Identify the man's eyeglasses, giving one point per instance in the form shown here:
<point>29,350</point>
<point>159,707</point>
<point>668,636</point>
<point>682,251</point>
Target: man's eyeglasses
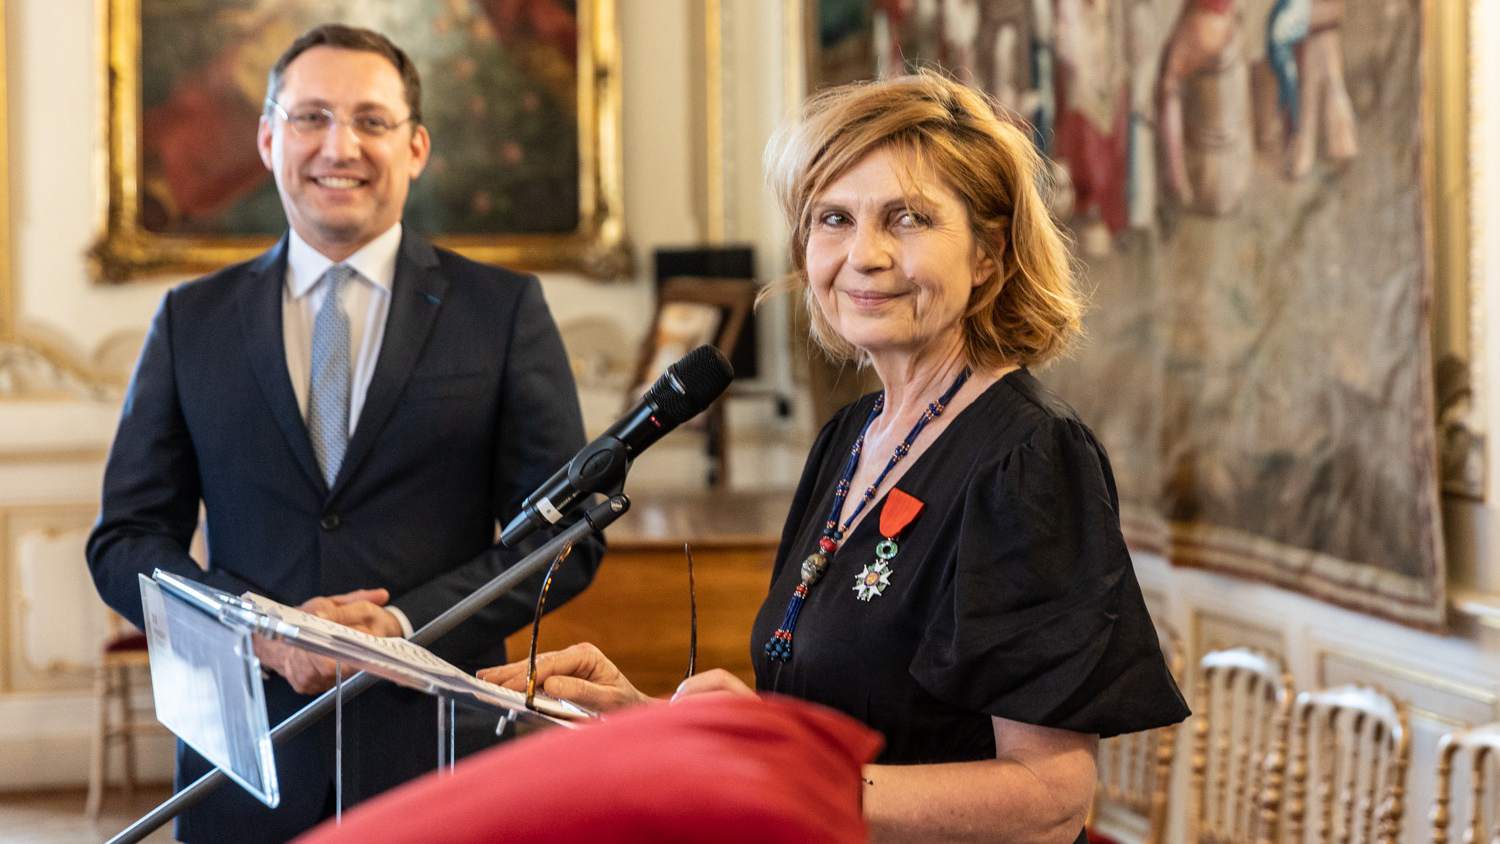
<point>315,121</point>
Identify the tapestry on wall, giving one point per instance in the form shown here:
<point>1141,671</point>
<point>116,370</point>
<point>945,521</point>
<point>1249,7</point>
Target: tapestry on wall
<point>1243,182</point>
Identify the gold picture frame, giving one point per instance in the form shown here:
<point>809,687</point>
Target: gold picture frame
<point>7,252</point>
<point>127,248</point>
<point>1457,313</point>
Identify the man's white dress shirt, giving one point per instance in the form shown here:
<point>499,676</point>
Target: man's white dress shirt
<point>366,302</point>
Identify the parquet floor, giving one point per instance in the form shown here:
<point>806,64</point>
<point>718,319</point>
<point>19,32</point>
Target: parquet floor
<point>56,817</point>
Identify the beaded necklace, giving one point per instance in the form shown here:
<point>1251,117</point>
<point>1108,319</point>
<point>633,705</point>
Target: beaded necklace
<point>779,647</point>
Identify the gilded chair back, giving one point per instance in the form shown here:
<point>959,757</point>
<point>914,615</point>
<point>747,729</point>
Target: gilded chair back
<point>1135,770</point>
<point>1350,749</point>
<point>1480,748</point>
<point>1241,708</point>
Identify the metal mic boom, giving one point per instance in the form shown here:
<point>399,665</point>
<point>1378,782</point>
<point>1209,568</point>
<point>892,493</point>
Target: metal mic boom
<point>686,389</point>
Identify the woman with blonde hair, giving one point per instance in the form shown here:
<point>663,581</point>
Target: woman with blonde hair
<point>952,571</point>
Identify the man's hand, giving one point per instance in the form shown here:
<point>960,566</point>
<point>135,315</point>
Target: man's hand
<point>309,674</point>
<point>362,609</point>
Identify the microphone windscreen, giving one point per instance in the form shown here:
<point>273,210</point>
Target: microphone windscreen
<point>690,385</point>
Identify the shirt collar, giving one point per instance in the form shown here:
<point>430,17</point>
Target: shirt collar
<point>375,262</point>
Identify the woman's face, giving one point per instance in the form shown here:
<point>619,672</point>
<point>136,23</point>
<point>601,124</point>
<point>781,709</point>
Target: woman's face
<point>892,261</point>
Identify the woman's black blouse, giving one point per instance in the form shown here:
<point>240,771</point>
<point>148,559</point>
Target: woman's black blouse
<point>1012,594</point>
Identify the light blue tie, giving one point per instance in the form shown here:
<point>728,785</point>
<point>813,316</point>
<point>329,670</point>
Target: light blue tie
<point>328,400</point>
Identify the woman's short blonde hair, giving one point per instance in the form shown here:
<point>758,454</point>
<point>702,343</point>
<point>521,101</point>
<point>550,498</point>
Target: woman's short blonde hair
<point>1030,311</point>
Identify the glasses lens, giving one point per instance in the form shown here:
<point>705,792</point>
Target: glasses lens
<point>373,125</point>
<point>316,121</point>
<point>309,122</point>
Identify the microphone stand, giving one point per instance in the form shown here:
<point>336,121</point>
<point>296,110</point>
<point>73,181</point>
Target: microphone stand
<point>596,519</point>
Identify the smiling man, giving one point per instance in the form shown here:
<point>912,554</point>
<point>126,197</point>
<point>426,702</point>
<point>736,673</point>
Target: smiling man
<point>354,410</point>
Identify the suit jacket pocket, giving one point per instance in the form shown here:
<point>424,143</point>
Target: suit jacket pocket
<point>460,386</point>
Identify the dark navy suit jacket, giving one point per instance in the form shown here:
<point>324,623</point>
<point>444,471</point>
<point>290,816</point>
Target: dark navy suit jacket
<point>472,406</point>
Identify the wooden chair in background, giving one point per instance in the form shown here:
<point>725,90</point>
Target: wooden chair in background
<point>689,313</point>
<point>1352,743</point>
<point>1241,708</point>
<point>119,721</point>
<point>1482,746</point>
<point>1135,770</point>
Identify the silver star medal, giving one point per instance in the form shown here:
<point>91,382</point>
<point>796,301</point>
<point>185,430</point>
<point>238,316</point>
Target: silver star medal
<point>872,581</point>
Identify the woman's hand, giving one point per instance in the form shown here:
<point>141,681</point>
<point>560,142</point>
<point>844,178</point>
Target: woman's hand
<point>580,673</point>
<point>713,680</point>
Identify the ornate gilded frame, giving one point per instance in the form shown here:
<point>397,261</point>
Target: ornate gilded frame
<point>7,257</point>
<point>20,349</point>
<point>125,250</point>
<point>1458,328</point>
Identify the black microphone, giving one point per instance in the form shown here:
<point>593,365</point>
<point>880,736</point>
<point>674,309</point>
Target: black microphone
<point>686,389</point>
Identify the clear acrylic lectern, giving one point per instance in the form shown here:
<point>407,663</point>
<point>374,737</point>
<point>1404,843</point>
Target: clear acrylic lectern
<point>207,680</point>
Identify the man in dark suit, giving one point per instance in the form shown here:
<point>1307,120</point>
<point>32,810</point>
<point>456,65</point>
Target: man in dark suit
<point>355,409</point>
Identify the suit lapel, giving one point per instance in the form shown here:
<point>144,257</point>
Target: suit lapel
<point>416,296</point>
<point>261,321</point>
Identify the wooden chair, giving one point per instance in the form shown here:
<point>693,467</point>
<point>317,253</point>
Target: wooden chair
<point>124,653</point>
<point>1353,744</point>
<point>1241,709</point>
<point>1482,744</point>
<point>1135,770</point>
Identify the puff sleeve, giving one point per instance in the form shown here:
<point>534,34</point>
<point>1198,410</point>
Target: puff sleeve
<point>1042,620</point>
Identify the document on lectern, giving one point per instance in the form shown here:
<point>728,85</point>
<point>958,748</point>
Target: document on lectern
<point>392,658</point>
<point>402,662</point>
<point>207,687</point>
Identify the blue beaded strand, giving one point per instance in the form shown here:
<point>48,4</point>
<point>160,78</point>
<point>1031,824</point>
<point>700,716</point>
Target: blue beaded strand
<point>779,646</point>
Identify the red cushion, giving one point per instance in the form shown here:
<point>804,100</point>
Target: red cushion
<point>126,642</point>
<point>1100,838</point>
<point>711,768</point>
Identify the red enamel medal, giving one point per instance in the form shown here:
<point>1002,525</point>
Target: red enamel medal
<point>899,511</point>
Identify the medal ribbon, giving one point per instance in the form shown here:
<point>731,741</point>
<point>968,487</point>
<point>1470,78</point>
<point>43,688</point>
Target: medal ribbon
<point>899,511</point>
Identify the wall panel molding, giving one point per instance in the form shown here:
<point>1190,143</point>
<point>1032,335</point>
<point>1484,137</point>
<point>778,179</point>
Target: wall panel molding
<point>1436,693</point>
<point>53,620</point>
<point>1214,630</point>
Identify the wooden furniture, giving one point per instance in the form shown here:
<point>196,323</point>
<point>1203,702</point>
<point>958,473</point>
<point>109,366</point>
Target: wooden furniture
<point>1350,747</point>
<point>636,610</point>
<point>1241,709</point>
<point>1135,770</point>
<point>124,653</point>
<point>1482,747</point>
<point>690,312</point>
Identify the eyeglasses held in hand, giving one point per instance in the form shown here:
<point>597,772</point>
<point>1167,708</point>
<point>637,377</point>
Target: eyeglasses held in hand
<point>536,624</point>
<point>541,606</point>
<point>692,615</point>
<point>314,121</point>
